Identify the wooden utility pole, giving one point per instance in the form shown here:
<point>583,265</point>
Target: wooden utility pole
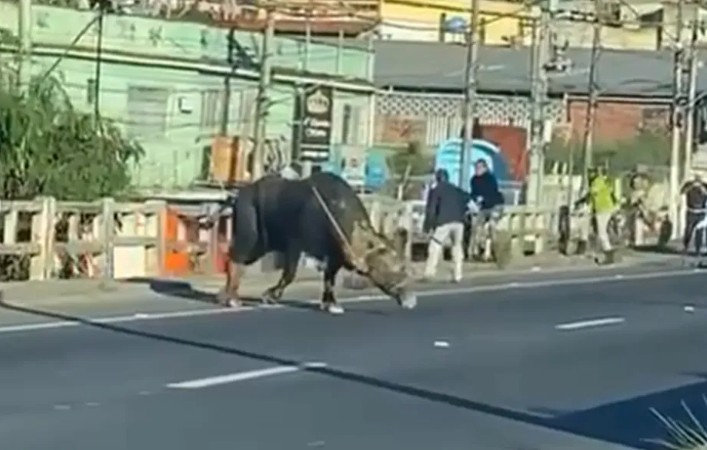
<point>471,71</point>
<point>261,106</point>
<point>306,166</point>
<point>691,93</point>
<point>588,141</point>
<point>538,77</point>
<point>226,97</point>
<point>99,56</point>
<point>25,32</point>
<point>677,120</point>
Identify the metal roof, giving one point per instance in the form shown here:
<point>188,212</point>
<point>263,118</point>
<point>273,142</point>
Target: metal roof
<point>435,66</point>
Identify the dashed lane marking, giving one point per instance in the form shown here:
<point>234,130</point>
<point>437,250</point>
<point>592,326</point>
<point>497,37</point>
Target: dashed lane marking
<point>590,323</point>
<point>242,376</point>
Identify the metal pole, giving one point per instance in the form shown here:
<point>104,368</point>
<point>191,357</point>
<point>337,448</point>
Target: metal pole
<point>539,96</point>
<point>99,53</point>
<point>470,80</point>
<point>677,116</point>
<point>308,37</point>
<point>226,98</point>
<point>25,32</point>
<point>691,95</point>
<point>261,107</point>
<point>588,142</point>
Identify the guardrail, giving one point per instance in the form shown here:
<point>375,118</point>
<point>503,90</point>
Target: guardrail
<point>530,230</point>
<point>45,239</point>
<point>81,239</point>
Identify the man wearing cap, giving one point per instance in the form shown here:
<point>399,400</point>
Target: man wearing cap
<point>444,219</point>
<point>603,204</point>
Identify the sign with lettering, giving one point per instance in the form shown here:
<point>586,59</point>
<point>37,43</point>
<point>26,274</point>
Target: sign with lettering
<point>312,124</point>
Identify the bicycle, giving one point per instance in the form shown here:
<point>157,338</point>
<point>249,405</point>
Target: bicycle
<point>487,242</point>
<point>699,227</point>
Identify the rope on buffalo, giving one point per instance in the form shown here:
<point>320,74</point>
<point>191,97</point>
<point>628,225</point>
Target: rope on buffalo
<point>357,262</point>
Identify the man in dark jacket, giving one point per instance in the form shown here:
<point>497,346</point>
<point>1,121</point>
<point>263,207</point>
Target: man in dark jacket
<point>487,197</point>
<point>695,192</point>
<point>444,219</point>
<point>484,189</point>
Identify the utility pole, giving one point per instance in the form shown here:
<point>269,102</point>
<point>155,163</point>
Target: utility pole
<point>691,94</point>
<point>538,76</point>
<point>677,119</point>
<point>261,106</point>
<point>99,55</point>
<point>470,80</point>
<point>588,142</point>
<point>25,32</point>
<point>226,97</point>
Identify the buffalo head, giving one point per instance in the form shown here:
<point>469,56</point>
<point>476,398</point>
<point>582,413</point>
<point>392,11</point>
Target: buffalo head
<point>377,260</point>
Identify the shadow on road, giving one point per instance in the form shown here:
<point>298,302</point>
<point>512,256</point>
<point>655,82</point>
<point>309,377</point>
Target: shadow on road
<point>175,288</point>
<point>184,290</point>
<point>628,422</point>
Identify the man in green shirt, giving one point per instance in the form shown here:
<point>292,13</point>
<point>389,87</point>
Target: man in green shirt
<point>602,202</point>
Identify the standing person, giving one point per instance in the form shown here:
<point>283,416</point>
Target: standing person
<point>603,204</point>
<point>695,192</point>
<point>488,199</point>
<point>484,190</point>
<point>444,219</point>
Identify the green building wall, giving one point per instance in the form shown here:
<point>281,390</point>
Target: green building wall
<point>183,66</point>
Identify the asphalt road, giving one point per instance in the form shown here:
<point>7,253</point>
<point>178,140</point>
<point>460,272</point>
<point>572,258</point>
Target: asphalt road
<point>550,362</point>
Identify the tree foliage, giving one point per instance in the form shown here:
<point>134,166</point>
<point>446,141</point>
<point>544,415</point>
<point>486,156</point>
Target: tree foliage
<point>408,162</point>
<point>49,148</point>
<point>648,148</point>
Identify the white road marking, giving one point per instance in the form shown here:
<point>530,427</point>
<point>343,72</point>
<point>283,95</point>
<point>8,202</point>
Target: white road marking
<point>441,344</point>
<point>590,323</point>
<point>362,298</point>
<point>242,376</point>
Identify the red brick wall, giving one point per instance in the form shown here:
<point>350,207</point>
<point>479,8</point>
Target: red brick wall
<point>615,120</point>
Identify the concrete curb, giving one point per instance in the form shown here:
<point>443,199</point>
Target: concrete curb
<point>309,282</point>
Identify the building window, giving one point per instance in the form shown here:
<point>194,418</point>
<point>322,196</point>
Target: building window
<point>147,112</point>
<point>210,108</point>
<point>610,13</point>
<point>350,125</point>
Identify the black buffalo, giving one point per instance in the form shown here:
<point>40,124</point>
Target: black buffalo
<point>320,216</point>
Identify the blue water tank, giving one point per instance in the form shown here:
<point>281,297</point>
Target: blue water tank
<point>455,24</point>
<point>376,170</point>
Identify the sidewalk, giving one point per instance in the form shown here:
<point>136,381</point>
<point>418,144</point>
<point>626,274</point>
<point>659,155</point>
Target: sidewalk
<point>254,283</point>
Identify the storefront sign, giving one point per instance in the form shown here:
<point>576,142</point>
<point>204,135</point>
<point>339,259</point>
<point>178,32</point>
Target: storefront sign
<point>312,128</point>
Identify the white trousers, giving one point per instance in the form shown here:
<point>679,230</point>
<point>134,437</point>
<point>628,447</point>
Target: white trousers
<point>455,232</point>
<point>602,229</point>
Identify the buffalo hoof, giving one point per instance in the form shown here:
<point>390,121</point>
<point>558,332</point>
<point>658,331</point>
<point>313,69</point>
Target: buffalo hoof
<point>332,308</point>
<point>226,300</point>
<point>268,298</point>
